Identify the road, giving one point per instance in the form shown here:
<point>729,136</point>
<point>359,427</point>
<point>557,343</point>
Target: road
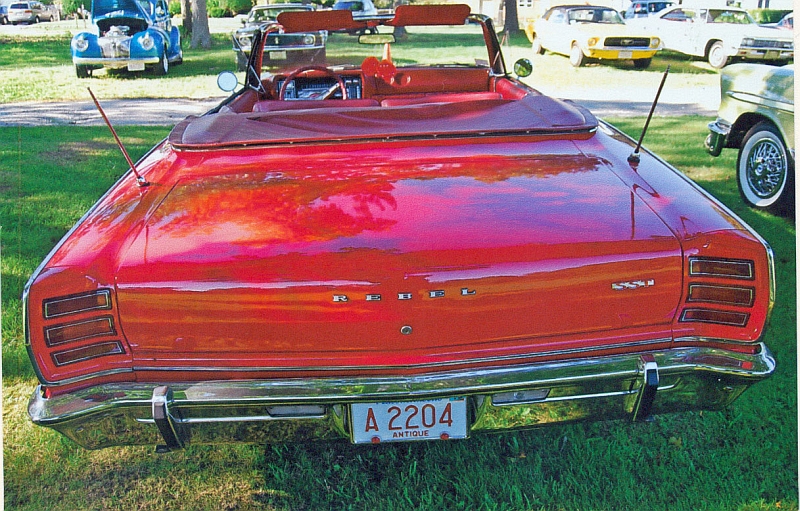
<point>161,112</point>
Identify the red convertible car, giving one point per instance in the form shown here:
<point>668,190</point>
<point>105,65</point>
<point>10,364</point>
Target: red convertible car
<point>392,247</point>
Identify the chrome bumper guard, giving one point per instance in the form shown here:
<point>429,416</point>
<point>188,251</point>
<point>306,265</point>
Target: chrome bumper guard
<point>716,140</point>
<point>632,386</point>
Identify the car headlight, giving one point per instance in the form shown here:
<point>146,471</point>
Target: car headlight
<point>309,39</point>
<point>655,42</point>
<point>244,41</point>
<point>748,41</point>
<point>80,43</point>
<point>147,43</point>
<point>593,41</point>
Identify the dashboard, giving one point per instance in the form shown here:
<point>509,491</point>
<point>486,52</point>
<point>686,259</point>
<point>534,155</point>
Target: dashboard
<point>313,87</point>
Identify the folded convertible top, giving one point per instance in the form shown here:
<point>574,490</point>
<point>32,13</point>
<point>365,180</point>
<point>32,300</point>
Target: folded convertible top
<point>530,115</point>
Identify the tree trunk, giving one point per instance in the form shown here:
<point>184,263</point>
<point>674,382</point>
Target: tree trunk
<point>186,11</point>
<point>400,33</point>
<point>511,25</point>
<point>201,35</point>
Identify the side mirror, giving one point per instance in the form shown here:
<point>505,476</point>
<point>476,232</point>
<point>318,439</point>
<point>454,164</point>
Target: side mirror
<point>523,68</point>
<point>376,39</point>
<point>227,81</point>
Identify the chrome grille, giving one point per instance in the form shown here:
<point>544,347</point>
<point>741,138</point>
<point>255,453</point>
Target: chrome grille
<point>113,47</point>
<point>627,41</point>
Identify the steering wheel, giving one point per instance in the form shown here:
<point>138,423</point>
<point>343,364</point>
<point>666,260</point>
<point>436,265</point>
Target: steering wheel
<point>322,69</point>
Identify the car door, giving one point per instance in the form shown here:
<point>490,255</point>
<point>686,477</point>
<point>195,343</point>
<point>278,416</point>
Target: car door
<point>676,28</point>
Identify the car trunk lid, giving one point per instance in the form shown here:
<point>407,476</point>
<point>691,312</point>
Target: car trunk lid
<point>397,264</point>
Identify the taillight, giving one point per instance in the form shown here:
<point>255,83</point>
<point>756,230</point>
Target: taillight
<point>718,292</point>
<point>82,329</point>
<point>715,316</point>
<point>708,267</point>
<point>73,304</point>
<point>87,352</point>
<point>725,295</point>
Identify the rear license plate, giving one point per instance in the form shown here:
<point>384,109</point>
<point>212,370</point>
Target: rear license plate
<point>135,66</point>
<point>434,419</point>
<point>277,55</point>
<point>625,54</point>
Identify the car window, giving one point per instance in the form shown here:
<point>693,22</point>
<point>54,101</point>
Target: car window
<point>271,14</point>
<point>594,15</point>
<point>679,15</point>
<point>349,6</point>
<point>658,6</point>
<point>727,16</point>
<point>19,6</point>
<point>102,7</point>
<point>558,17</point>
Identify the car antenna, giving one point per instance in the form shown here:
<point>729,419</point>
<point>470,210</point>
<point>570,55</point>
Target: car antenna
<point>634,157</point>
<point>139,178</point>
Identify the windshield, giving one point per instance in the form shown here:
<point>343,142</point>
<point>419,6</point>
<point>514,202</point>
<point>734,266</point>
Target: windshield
<point>418,45</point>
<point>106,7</point>
<point>271,14</point>
<point>594,15</point>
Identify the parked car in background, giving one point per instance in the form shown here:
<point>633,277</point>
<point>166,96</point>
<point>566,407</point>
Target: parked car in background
<point>280,48</point>
<point>644,8</point>
<point>756,116</point>
<point>128,34</point>
<point>357,7</point>
<point>585,32</point>
<point>719,35</point>
<point>785,23</point>
<point>54,11</point>
<point>401,245</point>
<point>29,12</point>
<point>4,14</point>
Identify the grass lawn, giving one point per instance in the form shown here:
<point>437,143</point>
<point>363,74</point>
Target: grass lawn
<point>742,459</point>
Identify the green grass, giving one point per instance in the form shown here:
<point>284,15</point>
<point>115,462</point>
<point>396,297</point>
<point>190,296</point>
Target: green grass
<point>742,459</point>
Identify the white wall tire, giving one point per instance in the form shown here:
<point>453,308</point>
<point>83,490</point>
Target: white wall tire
<point>765,170</point>
<point>717,57</point>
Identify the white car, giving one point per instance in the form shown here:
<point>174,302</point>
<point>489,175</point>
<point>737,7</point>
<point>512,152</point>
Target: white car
<point>585,32</point>
<point>719,35</point>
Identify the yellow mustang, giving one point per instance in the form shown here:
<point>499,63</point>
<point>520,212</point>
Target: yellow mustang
<point>590,32</point>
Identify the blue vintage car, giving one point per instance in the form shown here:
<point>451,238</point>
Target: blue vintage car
<point>132,34</point>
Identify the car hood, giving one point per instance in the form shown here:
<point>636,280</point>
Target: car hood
<point>608,29</point>
<point>350,259</point>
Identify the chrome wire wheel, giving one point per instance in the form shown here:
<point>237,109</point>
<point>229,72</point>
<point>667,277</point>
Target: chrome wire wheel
<point>764,169</point>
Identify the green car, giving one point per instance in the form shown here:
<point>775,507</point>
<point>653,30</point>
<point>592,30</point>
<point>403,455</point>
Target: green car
<point>756,116</point>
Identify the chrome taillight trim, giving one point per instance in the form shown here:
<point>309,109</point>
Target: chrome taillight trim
<point>744,303</point>
<point>107,321</point>
<point>723,317</point>
<point>105,305</point>
<point>89,352</point>
<point>747,265</point>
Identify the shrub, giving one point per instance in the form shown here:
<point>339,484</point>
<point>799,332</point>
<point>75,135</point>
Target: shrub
<point>174,8</point>
<point>72,6</point>
<point>236,6</point>
<point>768,15</point>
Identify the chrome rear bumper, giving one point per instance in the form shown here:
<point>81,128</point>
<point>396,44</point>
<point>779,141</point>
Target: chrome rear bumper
<point>501,398</point>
